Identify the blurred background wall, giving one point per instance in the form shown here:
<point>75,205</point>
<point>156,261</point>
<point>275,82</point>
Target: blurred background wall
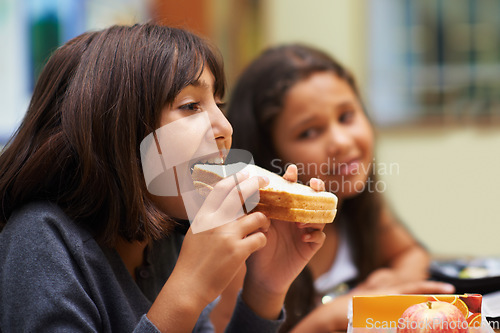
<point>430,75</point>
<point>429,72</point>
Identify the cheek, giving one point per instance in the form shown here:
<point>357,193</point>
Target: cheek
<point>306,156</point>
<point>228,143</point>
<point>366,143</point>
<point>365,138</point>
<point>302,153</point>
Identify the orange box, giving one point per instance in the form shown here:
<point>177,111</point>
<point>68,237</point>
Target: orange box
<point>384,313</point>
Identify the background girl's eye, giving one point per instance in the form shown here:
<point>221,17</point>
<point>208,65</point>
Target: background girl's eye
<point>310,133</point>
<point>194,106</point>
<point>346,116</point>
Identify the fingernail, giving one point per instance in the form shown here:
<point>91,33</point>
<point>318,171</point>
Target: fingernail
<point>307,237</point>
<point>244,172</point>
<point>266,179</point>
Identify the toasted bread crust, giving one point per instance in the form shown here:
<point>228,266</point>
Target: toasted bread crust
<point>296,214</point>
<point>273,197</point>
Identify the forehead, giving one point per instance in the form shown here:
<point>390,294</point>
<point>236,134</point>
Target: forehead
<point>212,76</point>
<point>206,79</point>
<point>203,82</point>
<point>319,88</point>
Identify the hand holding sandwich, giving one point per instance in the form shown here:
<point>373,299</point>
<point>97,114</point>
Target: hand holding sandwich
<point>289,247</point>
<point>210,259</point>
<point>288,244</point>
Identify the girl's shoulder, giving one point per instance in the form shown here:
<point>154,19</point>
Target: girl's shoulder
<point>50,265</point>
<point>40,231</point>
<point>42,219</point>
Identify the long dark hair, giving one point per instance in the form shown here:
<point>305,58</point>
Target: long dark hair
<point>256,101</point>
<point>97,98</point>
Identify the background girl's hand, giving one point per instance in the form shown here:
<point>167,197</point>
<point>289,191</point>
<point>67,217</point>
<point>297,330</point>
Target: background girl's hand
<point>290,246</point>
<point>408,287</point>
<point>381,278</point>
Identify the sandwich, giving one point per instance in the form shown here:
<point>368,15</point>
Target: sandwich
<point>280,199</point>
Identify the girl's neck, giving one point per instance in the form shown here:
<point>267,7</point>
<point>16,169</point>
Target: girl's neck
<point>131,253</point>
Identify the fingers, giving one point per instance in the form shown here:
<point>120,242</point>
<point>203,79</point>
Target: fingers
<point>317,184</point>
<point>242,193</point>
<point>253,229</point>
<point>223,188</point>
<point>312,232</point>
<point>234,188</point>
<point>255,242</point>
<point>316,236</point>
<point>225,202</point>
<point>252,223</point>
<point>436,287</point>
<point>427,287</point>
<point>291,173</point>
<point>317,226</point>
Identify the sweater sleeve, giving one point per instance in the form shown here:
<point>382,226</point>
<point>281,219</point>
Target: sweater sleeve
<point>146,326</point>
<point>244,320</point>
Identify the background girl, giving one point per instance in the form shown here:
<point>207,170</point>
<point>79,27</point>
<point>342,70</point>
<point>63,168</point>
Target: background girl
<point>295,104</point>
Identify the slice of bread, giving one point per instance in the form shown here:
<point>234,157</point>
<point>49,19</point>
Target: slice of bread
<point>282,213</point>
<point>281,199</point>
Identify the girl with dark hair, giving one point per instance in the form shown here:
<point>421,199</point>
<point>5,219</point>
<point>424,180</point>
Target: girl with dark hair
<point>295,104</point>
<point>85,245</point>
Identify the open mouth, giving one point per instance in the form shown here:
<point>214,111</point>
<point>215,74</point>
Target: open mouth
<point>216,159</point>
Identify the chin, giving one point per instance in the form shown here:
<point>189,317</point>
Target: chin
<point>348,187</point>
<point>172,206</point>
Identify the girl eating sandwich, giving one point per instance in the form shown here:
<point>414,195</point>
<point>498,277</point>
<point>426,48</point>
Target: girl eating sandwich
<point>86,244</point>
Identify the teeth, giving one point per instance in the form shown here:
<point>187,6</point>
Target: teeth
<point>213,160</point>
<point>216,160</point>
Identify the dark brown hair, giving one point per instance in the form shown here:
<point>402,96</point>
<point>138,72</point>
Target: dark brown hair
<point>256,101</point>
<point>97,98</point>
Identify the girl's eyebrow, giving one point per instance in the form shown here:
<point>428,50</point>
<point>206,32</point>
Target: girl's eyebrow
<point>312,118</point>
<point>346,104</point>
<point>201,84</point>
<point>303,122</point>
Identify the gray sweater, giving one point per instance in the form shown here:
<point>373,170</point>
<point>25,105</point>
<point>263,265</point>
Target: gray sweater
<point>54,277</point>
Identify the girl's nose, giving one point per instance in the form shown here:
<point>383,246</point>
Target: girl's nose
<point>339,141</point>
<point>221,127</point>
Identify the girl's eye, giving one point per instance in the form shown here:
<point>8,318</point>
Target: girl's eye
<point>310,133</point>
<point>194,106</point>
<point>346,116</point>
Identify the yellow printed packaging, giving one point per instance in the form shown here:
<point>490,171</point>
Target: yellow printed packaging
<point>387,314</point>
